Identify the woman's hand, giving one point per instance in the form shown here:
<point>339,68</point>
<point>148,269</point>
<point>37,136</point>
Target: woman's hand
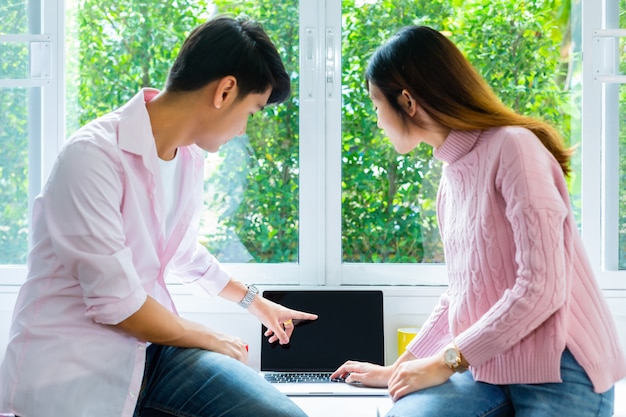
<point>279,320</point>
<point>414,375</point>
<point>366,373</point>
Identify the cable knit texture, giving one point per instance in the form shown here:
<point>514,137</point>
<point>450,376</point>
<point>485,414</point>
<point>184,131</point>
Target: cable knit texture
<point>521,288</point>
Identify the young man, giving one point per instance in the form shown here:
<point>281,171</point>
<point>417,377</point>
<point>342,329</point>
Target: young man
<point>95,331</point>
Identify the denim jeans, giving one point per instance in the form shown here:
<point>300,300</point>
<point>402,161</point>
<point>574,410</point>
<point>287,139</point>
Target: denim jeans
<point>198,383</point>
<point>462,396</point>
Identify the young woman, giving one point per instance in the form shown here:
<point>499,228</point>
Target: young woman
<point>523,312</point>
<point>95,331</point>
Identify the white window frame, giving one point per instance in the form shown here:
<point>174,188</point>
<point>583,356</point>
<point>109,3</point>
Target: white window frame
<point>310,268</point>
<point>320,251</point>
<point>600,142</point>
<point>46,132</point>
<point>338,272</point>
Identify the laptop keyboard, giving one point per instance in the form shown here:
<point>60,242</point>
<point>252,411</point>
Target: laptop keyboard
<point>288,377</point>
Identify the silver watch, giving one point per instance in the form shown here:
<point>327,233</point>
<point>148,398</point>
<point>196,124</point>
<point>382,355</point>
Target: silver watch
<point>249,297</point>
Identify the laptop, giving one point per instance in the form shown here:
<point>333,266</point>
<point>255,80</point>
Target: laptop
<point>349,327</point>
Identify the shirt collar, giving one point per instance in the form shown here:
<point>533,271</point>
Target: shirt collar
<point>458,144</point>
<point>135,130</point>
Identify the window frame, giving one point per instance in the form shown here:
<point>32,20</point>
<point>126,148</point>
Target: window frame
<point>600,164</point>
<point>320,259</point>
<point>337,271</point>
<point>46,107</point>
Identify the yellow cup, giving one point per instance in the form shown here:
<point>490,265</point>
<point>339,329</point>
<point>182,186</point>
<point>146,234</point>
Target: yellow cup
<point>405,335</point>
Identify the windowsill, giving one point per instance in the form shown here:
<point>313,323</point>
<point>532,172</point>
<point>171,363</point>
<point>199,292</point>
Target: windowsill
<point>192,300</point>
<point>404,306</point>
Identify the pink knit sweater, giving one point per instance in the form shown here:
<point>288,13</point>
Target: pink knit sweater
<point>521,288</point>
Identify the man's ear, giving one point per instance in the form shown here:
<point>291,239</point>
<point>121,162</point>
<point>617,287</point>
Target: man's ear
<point>408,103</point>
<point>225,91</point>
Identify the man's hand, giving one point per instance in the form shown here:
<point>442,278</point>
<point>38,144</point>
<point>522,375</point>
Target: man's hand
<point>279,320</point>
<point>154,323</point>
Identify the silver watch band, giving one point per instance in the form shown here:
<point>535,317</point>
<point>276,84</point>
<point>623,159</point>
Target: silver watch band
<point>249,297</point>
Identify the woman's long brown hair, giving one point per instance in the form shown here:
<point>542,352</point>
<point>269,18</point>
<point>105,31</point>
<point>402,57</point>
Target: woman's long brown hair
<point>444,83</point>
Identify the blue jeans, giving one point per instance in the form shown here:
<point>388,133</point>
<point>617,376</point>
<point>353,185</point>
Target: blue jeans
<point>198,383</point>
<point>462,396</point>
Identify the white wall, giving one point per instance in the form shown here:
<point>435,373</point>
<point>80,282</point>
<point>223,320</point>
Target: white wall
<point>404,307</point>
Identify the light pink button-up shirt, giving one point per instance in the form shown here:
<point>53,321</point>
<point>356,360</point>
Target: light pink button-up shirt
<point>98,250</point>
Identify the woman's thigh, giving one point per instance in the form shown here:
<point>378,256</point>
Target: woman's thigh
<point>460,396</point>
<point>198,383</point>
<point>574,397</point>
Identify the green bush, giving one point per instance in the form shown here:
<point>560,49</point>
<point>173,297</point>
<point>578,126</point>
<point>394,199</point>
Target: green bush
<point>388,200</point>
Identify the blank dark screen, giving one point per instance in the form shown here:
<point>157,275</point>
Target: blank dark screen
<point>349,327</point>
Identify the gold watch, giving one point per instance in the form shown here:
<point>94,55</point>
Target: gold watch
<point>454,360</point>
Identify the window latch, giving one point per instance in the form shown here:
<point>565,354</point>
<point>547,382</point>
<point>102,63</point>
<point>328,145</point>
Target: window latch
<point>330,62</point>
<point>606,55</point>
<point>40,61</point>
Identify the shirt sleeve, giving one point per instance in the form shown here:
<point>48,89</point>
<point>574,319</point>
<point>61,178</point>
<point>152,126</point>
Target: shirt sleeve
<point>82,209</point>
<point>193,262</point>
<point>534,192</point>
<point>434,333</point>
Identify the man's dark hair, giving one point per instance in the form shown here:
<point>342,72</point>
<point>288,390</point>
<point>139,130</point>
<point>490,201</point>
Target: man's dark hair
<point>225,46</point>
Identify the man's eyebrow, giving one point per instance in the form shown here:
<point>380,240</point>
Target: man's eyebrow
<point>261,108</point>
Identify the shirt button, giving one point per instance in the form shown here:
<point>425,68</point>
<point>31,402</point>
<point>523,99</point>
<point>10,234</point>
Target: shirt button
<point>132,394</point>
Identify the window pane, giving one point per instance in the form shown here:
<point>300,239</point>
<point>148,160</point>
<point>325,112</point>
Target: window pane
<point>18,108</point>
<point>622,140</point>
<point>622,175</point>
<point>389,199</point>
<point>14,16</point>
<point>252,183</point>
<point>572,109</point>
<point>252,187</point>
<point>14,60</point>
<point>14,175</point>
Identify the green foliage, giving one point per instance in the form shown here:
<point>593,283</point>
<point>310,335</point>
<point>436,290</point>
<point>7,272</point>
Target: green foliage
<point>622,141</point>
<point>13,176</point>
<point>388,199</point>
<point>14,16</point>
<point>264,219</point>
<point>517,47</point>
<point>124,46</point>
<point>252,189</point>
<point>14,139</point>
<point>388,211</point>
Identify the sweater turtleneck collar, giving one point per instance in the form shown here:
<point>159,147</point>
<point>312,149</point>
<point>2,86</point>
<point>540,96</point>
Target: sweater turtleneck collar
<point>458,144</point>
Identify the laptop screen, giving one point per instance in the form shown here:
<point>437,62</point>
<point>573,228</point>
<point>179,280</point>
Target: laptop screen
<point>349,327</point>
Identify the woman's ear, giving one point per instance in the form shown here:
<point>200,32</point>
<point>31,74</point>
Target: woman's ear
<point>225,91</point>
<point>408,104</point>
